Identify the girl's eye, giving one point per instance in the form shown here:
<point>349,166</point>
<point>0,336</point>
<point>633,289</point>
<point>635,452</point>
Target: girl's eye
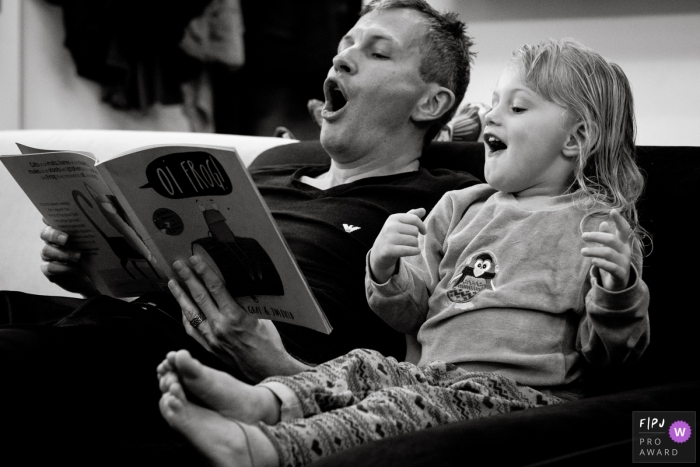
<point>517,110</point>
<point>378,55</point>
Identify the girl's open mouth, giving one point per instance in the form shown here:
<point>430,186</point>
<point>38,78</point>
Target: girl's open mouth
<point>494,143</point>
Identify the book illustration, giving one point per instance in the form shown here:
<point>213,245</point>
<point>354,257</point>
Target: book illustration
<point>242,263</point>
<point>168,222</point>
<point>128,247</point>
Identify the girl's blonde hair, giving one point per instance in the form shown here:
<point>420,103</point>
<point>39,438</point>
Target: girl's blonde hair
<point>597,93</point>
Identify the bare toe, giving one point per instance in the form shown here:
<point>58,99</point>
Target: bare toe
<point>167,380</point>
<point>177,391</point>
<point>163,367</point>
<point>170,358</point>
<point>170,407</point>
<point>186,364</point>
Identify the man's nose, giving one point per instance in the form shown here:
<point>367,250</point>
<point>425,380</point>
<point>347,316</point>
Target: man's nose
<point>344,62</point>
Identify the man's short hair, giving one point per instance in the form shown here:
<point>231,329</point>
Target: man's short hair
<point>445,55</point>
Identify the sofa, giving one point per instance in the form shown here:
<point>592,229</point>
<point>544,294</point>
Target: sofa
<point>597,428</point>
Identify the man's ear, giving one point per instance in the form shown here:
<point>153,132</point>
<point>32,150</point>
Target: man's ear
<point>436,101</point>
<point>572,145</point>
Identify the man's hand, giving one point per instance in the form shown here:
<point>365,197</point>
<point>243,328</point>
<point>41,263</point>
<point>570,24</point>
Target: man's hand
<point>61,265</point>
<point>613,255</point>
<point>239,339</point>
<point>398,238</point>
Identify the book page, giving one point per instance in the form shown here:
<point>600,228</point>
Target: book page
<point>72,197</point>
<point>201,200</point>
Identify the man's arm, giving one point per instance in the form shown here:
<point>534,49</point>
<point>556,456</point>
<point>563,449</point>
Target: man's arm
<point>239,339</point>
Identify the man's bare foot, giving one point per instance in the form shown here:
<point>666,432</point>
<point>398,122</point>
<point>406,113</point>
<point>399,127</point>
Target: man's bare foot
<point>217,390</point>
<point>223,442</point>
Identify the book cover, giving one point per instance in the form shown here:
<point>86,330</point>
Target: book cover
<point>132,216</point>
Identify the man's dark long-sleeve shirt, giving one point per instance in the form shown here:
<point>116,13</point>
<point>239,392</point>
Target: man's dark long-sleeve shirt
<point>330,232</point>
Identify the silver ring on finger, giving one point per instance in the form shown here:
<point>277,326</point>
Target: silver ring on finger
<point>197,320</point>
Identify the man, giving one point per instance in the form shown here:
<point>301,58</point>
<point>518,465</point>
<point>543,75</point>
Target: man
<point>395,81</point>
<point>385,97</point>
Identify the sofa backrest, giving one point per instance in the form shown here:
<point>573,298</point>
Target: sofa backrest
<point>667,211</point>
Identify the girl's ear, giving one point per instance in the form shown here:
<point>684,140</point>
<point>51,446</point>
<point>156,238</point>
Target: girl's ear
<point>572,145</point>
<point>434,104</point>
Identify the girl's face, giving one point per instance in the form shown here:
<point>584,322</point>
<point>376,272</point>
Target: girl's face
<point>530,144</point>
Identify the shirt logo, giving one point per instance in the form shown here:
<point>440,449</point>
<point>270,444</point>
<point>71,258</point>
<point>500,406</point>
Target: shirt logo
<point>475,276</point>
<point>350,228</point>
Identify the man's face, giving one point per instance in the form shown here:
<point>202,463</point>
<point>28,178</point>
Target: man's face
<point>374,83</point>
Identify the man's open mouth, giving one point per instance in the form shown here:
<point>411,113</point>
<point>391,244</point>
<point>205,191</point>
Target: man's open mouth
<point>335,99</point>
<point>494,143</point>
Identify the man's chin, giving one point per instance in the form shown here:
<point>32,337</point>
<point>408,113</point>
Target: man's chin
<point>332,147</point>
<point>329,136</point>
<point>333,140</point>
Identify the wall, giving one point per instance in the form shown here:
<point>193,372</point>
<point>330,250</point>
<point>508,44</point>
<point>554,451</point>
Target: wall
<point>49,94</point>
<point>656,43</point>
<point>10,56</point>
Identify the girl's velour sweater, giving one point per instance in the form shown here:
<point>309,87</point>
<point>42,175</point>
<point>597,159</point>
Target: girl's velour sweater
<point>501,285</point>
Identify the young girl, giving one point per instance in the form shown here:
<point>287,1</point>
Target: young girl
<point>511,287</point>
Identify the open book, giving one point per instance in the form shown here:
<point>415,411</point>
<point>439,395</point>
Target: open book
<point>135,214</point>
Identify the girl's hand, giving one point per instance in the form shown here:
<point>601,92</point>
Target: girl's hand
<point>613,254</point>
<point>398,238</point>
